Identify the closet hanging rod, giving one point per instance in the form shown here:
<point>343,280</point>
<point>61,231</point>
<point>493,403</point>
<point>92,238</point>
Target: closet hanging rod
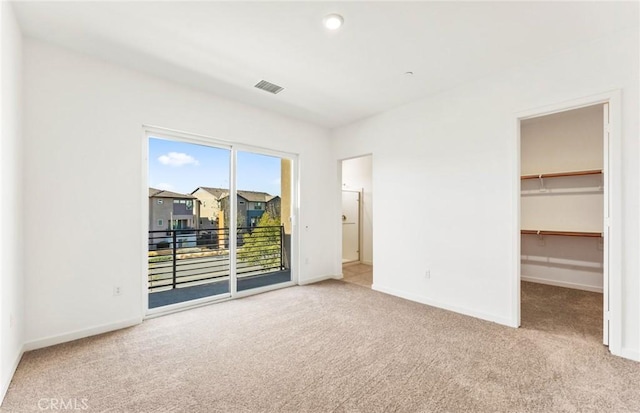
<point>560,174</point>
<point>562,233</point>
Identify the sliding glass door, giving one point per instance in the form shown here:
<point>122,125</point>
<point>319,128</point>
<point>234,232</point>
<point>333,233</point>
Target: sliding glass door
<point>188,238</point>
<point>219,221</point>
<point>263,187</point>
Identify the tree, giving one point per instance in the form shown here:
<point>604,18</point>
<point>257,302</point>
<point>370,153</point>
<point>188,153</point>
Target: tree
<point>263,246</point>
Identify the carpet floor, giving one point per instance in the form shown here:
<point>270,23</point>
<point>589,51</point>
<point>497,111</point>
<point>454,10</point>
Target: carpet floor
<point>339,347</point>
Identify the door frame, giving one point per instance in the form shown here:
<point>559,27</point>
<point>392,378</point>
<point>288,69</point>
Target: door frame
<point>613,191</point>
<point>159,132</point>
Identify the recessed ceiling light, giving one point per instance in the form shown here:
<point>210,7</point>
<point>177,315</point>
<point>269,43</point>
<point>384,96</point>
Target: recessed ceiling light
<point>333,21</point>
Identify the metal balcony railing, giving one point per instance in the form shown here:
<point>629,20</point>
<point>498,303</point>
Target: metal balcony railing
<point>187,257</point>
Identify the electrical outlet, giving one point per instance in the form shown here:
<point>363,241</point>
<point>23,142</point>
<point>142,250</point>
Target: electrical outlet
<point>427,274</point>
<point>117,290</point>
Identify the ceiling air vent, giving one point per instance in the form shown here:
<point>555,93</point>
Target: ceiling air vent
<point>269,87</point>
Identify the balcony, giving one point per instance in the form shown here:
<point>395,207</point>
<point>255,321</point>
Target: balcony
<point>187,264</point>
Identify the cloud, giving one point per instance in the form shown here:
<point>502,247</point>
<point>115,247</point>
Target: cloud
<point>165,186</point>
<point>177,159</point>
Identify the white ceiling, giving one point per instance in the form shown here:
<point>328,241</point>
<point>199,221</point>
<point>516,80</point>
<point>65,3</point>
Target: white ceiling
<point>330,78</point>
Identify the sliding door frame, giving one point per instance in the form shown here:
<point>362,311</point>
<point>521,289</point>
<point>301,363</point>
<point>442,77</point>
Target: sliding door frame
<point>295,203</point>
<point>150,131</point>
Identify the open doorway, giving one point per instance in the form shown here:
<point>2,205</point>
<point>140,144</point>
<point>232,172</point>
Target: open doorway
<point>357,221</point>
<point>564,213</point>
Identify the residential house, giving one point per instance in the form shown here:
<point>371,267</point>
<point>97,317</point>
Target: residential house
<point>251,206</point>
<point>273,206</point>
<point>171,210</point>
<point>209,205</point>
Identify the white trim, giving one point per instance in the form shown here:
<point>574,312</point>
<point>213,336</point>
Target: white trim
<point>166,133</point>
<point>564,284</point>
<point>568,105</point>
<point>338,221</point>
<point>367,262</point>
<point>616,224</point>
<point>319,279</point>
<point>6,381</point>
<point>516,252</point>
<point>78,334</point>
<point>233,223</point>
<point>606,179</point>
<point>294,265</point>
<point>615,201</point>
<point>207,140</point>
<point>629,353</point>
<point>428,301</point>
<point>144,231</point>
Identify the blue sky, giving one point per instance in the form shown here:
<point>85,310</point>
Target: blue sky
<point>182,167</point>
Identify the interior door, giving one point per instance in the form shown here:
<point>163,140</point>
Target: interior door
<point>350,226</point>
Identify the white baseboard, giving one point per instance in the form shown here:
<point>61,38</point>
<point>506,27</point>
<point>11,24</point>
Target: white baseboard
<point>78,334</point>
<point>6,381</point>
<point>630,354</point>
<point>365,262</point>
<point>318,279</point>
<point>564,284</point>
<point>456,309</point>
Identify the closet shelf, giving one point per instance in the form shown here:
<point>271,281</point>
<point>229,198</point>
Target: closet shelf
<point>562,233</point>
<point>560,174</point>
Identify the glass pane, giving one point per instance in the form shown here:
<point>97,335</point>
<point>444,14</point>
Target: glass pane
<point>188,237</point>
<point>264,199</point>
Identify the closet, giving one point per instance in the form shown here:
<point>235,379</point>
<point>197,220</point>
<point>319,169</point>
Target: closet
<point>562,199</point>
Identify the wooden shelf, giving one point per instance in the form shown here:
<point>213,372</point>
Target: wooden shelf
<point>561,174</point>
<point>562,233</point>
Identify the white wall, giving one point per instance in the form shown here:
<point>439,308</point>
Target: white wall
<point>571,262</point>
<point>356,174</point>
<point>83,143</point>
<point>455,156</point>
<point>563,142</point>
<point>12,319</point>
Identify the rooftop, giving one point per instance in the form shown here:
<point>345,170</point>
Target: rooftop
<point>160,193</point>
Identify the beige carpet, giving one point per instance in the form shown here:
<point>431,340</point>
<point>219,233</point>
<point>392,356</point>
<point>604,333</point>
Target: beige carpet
<point>339,347</point>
